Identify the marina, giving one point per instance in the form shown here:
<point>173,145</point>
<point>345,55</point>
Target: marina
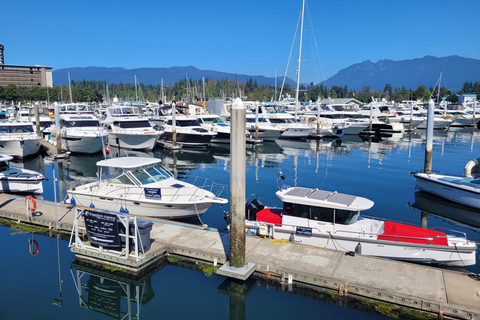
<point>327,164</point>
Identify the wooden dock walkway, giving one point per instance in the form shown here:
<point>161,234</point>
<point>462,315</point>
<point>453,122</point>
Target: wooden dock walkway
<point>440,291</point>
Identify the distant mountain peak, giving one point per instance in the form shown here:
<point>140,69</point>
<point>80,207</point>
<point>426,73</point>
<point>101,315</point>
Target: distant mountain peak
<point>410,73</point>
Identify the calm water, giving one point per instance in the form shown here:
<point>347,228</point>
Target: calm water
<point>35,286</point>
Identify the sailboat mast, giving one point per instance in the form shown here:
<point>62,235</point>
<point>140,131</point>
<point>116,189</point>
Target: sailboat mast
<point>70,87</point>
<point>299,61</point>
<point>136,94</point>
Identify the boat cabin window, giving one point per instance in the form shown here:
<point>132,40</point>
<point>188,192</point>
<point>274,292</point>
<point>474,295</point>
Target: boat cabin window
<point>320,213</point>
<point>122,179</point>
<point>16,129</point>
<point>79,123</point>
<point>210,120</point>
<point>133,124</point>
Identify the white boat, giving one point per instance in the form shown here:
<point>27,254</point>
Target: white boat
<point>18,138</point>
<point>460,189</point>
<point>325,127</point>
<point>128,129</point>
<point>81,133</point>
<point>18,180</point>
<point>332,220</point>
<point>266,130</point>
<point>143,187</point>
<point>29,114</point>
<point>214,123</point>
<point>292,129</point>
<point>189,132</point>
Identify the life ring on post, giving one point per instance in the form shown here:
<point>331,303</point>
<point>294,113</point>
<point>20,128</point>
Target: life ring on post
<point>31,244</point>
<point>30,201</point>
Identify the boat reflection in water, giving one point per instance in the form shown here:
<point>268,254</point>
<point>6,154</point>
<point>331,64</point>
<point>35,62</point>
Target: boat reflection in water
<point>439,206</point>
<point>111,294</point>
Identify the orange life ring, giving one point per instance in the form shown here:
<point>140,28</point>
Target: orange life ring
<point>27,203</point>
<point>32,243</point>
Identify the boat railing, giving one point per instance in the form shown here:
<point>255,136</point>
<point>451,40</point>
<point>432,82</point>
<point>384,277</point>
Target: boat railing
<point>395,238</point>
<point>17,136</point>
<point>205,184</point>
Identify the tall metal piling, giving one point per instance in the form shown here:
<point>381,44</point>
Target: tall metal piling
<point>237,185</point>
<point>429,142</point>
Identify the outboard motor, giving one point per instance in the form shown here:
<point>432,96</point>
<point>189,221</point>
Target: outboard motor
<point>251,209</point>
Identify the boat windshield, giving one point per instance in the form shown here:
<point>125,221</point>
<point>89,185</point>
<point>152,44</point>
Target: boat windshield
<point>211,120</point>
<point>151,175</point>
<point>320,213</point>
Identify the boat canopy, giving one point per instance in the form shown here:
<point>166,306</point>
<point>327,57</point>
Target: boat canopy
<point>128,162</point>
<point>323,198</point>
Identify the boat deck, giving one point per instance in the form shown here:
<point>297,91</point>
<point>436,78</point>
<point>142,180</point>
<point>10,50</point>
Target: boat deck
<point>441,291</point>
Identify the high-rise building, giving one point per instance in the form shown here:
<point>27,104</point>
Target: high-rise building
<point>26,76</point>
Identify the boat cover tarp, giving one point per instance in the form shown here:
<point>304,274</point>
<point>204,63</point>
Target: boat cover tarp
<point>405,233</point>
<point>270,215</point>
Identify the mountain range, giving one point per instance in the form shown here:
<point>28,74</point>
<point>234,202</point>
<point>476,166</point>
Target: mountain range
<point>410,74</point>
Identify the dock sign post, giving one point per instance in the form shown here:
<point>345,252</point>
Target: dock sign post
<point>102,229</point>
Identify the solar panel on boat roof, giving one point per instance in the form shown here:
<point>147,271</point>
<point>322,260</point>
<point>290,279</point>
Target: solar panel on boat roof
<point>320,195</point>
<point>298,192</point>
<point>341,198</point>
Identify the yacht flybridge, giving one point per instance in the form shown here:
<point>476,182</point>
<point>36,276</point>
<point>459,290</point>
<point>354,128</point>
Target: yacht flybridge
<point>332,220</point>
<point>142,186</point>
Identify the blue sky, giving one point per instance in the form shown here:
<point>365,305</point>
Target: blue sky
<point>247,37</point>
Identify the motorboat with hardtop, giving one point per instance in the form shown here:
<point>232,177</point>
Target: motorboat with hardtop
<point>332,220</point>
<point>142,186</point>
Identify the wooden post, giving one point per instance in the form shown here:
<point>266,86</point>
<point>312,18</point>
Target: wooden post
<point>237,185</point>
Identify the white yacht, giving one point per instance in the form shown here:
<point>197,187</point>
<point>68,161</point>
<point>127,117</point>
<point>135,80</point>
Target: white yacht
<point>128,129</point>
<point>18,138</point>
<point>29,114</point>
<point>266,130</point>
<point>142,186</point>
<point>292,129</point>
<point>81,133</point>
<point>189,132</point>
<point>214,123</point>
<point>19,180</point>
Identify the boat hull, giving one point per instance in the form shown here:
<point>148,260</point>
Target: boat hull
<point>84,144</point>
<point>20,185</point>
<point>187,139</point>
<point>153,209</point>
<point>367,245</point>
<point>20,148</point>
<point>140,141</point>
<point>451,189</point>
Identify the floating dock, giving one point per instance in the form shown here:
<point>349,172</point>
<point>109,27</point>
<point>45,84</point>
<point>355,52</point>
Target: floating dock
<point>442,292</point>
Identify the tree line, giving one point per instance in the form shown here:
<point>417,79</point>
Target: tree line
<point>196,90</point>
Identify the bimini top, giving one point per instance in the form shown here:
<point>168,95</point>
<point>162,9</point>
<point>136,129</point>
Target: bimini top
<point>128,162</point>
<point>323,198</point>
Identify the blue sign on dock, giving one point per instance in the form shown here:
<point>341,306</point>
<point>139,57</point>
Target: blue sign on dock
<point>102,229</point>
<point>304,231</point>
<point>153,193</point>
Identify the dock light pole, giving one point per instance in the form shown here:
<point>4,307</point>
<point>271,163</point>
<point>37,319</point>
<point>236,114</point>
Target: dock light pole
<point>429,143</point>
<point>237,185</point>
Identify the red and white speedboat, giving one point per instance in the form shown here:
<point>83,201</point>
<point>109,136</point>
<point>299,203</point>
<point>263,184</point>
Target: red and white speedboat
<point>332,220</point>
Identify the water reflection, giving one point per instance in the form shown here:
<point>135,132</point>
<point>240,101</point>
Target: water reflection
<point>460,215</point>
<point>114,295</point>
